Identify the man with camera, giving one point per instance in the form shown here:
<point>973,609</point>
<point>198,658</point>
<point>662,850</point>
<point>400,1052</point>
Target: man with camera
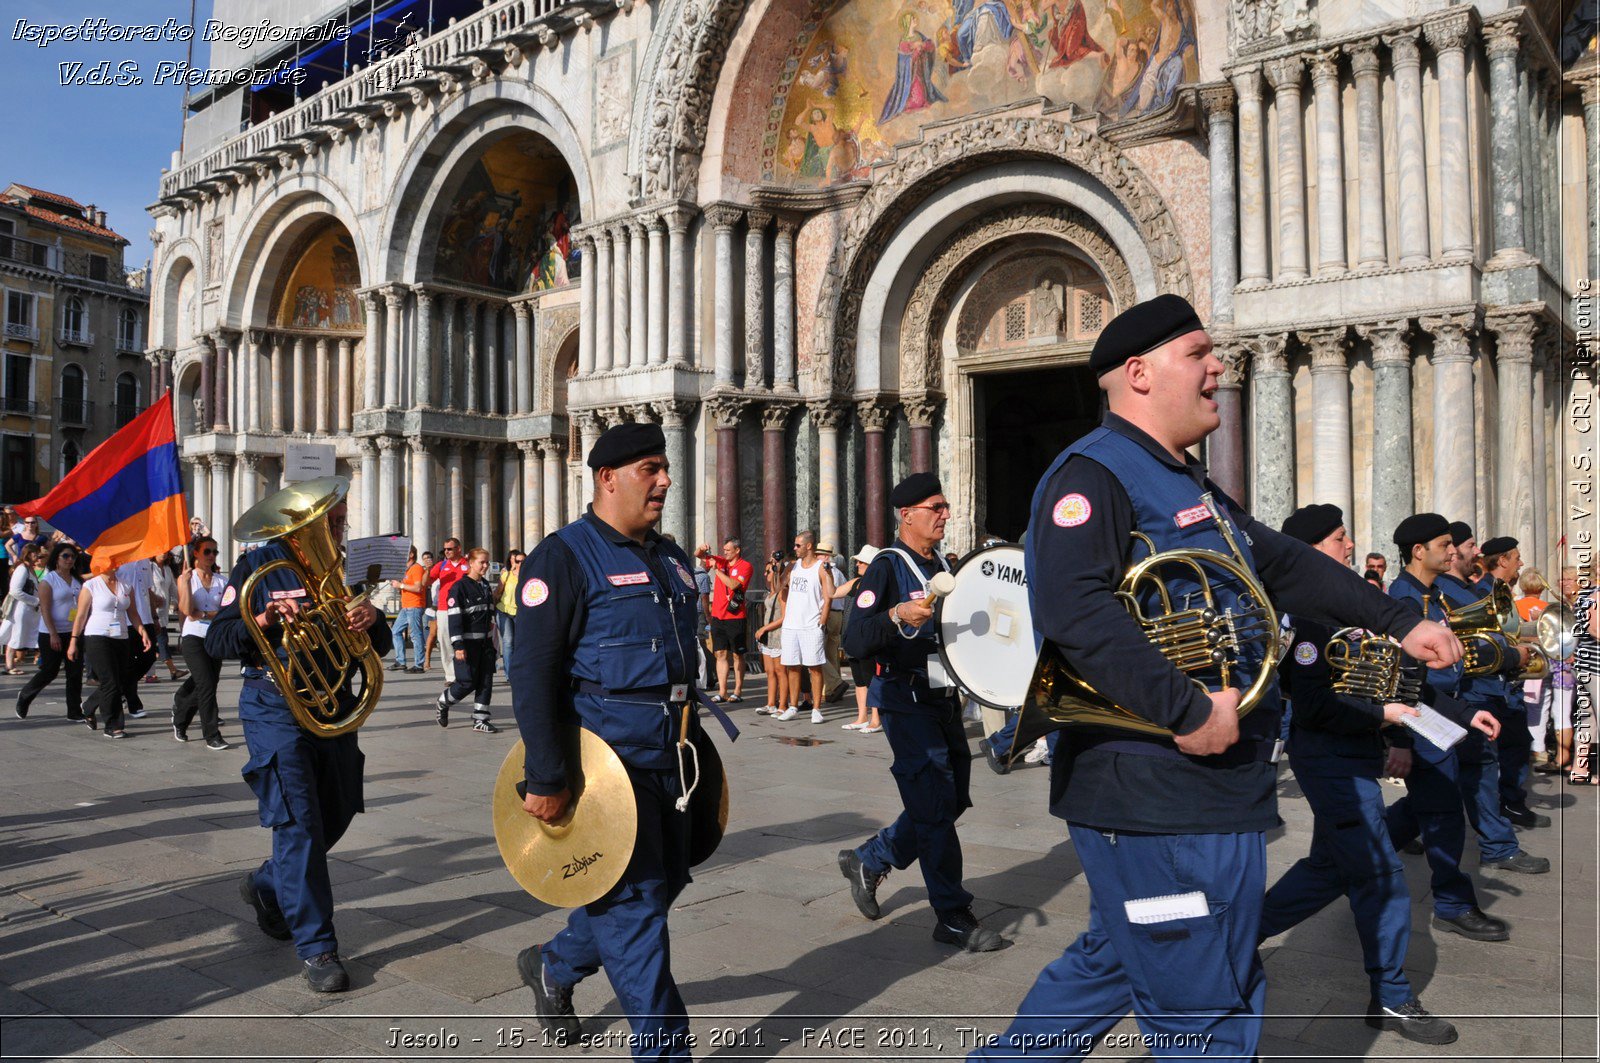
<point>730,575</point>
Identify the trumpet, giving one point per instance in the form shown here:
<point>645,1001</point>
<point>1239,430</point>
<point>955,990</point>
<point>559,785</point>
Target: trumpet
<point>320,653</point>
<point>1373,667</point>
<point>1487,630</point>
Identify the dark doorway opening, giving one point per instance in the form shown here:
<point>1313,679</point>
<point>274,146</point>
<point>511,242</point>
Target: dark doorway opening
<point>1023,421</point>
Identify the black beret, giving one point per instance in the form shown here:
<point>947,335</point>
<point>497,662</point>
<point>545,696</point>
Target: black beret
<point>1141,329</point>
<point>1500,544</point>
<point>1420,528</point>
<point>914,489</point>
<point>625,444</point>
<point>1313,523</point>
<point>1460,532</point>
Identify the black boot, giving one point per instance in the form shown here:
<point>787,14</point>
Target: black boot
<point>1474,924</point>
<point>1412,1021</point>
<point>325,974</point>
<point>961,928</point>
<point>863,883</point>
<point>552,1004</point>
<point>269,917</point>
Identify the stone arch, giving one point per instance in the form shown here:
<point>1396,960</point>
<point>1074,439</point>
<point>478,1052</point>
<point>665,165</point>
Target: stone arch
<point>457,133</point>
<point>186,389</point>
<point>277,223</point>
<point>556,340</point>
<point>179,263</point>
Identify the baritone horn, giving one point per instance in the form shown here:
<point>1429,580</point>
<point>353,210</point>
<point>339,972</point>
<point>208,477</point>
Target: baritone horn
<point>320,653</point>
<point>1487,629</point>
<point>1373,667</point>
<point>1199,638</point>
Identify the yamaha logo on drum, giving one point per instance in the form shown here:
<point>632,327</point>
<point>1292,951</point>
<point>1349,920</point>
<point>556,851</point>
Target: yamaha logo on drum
<point>1005,574</point>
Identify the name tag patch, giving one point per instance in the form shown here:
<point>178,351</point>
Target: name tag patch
<point>298,592</point>
<point>628,579</point>
<point>535,593</point>
<point>1192,515</point>
<point>916,596</point>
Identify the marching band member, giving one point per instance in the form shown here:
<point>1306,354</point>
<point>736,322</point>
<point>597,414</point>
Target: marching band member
<point>890,626</point>
<point>1502,560</point>
<point>1338,756</point>
<point>1170,833</point>
<point>470,639</point>
<point>308,789</point>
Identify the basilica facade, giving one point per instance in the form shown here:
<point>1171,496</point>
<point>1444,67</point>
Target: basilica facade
<point>825,243</point>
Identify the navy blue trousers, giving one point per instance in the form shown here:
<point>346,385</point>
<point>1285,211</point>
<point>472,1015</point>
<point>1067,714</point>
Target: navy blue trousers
<point>626,930</point>
<point>1195,985</point>
<point>474,676</point>
<point>1515,747</point>
<point>1350,857</point>
<point>307,791</point>
<point>933,770</point>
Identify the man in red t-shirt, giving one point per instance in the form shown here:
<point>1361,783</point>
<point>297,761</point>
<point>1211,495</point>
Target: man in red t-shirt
<point>445,573</point>
<point>730,578</point>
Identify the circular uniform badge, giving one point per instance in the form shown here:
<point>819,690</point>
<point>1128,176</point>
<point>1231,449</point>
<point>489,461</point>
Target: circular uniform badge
<point>1071,511</point>
<point>228,596</point>
<point>1305,653</point>
<point>534,593</point>
<point>683,574</point>
<point>865,599</point>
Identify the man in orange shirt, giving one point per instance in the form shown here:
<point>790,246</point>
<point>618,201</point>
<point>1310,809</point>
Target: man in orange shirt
<point>413,590</point>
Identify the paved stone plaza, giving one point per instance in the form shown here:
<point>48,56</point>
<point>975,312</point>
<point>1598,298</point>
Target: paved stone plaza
<point>122,934</point>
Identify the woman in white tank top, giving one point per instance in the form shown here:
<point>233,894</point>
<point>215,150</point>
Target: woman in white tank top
<point>100,635</point>
<point>58,606</point>
<point>199,600</point>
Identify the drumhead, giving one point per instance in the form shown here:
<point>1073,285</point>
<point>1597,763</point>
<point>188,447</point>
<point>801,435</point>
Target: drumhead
<point>986,627</point>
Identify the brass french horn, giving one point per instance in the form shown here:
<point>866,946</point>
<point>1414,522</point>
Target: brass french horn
<point>1372,667</point>
<point>1487,629</point>
<point>320,653</point>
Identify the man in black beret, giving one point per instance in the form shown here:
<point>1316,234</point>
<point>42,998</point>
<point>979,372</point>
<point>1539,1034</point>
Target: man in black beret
<point>605,637</point>
<point>1204,783</point>
<point>1502,564</point>
<point>891,626</point>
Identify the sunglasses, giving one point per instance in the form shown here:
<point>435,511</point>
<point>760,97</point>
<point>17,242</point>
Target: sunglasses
<point>937,507</point>
<point>207,553</point>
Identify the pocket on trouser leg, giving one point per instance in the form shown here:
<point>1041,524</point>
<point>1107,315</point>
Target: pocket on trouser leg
<point>1186,964</point>
<point>261,773</point>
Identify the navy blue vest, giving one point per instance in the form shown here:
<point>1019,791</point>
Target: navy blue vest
<point>904,688</point>
<point>639,637</point>
<point>1406,588</point>
<point>1167,507</point>
<point>1475,689</point>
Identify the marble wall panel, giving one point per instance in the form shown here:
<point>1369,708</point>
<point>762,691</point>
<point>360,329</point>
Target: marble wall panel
<point>1181,172</point>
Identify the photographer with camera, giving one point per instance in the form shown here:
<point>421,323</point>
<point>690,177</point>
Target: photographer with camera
<point>730,576</point>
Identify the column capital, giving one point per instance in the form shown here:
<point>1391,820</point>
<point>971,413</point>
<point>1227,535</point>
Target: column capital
<point>1448,33</point>
<point>224,337</point>
<point>724,216</point>
<point>527,446</point>
<point>1590,89</point>
<point>1329,349</point>
<point>826,413</point>
<point>252,462</point>
<point>921,410</point>
<point>552,448</point>
<point>1403,49</point>
<point>788,225</point>
<point>1235,362</point>
<point>367,446</point>
<point>1286,73</point>
<point>609,416</point>
<point>1247,83</point>
<point>418,443</point>
<point>523,311</point>
<point>642,412</point>
<point>758,220</point>
<point>678,218</point>
<point>1502,39</point>
<point>725,410</point>
<point>775,416</point>
<point>1325,65</point>
<point>388,444</point>
<point>201,461</point>
<point>1266,351</point>
<point>1388,339</point>
<point>222,461</point>
<point>1452,336</point>
<point>1218,101</point>
<point>875,413</point>
<point>423,293</point>
<point>1514,335</point>
<point>1363,58</point>
<point>394,294</point>
<point>673,413</point>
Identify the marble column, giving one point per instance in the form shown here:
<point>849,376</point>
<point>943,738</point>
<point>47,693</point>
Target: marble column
<point>679,292</point>
<point>469,361</point>
<point>1448,38</point>
<point>346,382</point>
<point>422,503</point>
<point>655,324</point>
<point>725,411</point>
<point>422,378</point>
<point>1411,181</point>
<point>489,359</point>
<point>372,363</point>
<point>775,476</point>
<point>1272,407</point>
<point>588,266</point>
<point>1286,74</point>
<point>367,486</point>
<point>450,338</point>
<point>621,327</point>
<point>511,490</point>
<point>249,476</point>
<point>1532,208</point>
<point>1225,448</point>
<point>456,488</point>
<point>200,488</point>
<point>322,395</point>
<point>394,301</point>
<point>828,415</point>
<point>222,504</point>
<point>1455,488</point>
<point>252,417</point>
<point>1502,40</point>
<point>1541,437</point>
<point>206,393</point>
<point>1252,216</point>
<point>1218,103</point>
<point>723,219</point>
<point>1372,250</point>
<point>921,411</point>
<point>222,418</point>
<point>524,357</point>
<point>875,415</point>
<point>1331,257</point>
<point>605,355</point>
<point>555,466</point>
<point>755,288</point>
<point>389,485</point>
<point>638,291</point>
<point>1591,155</point>
<point>590,426</point>
<point>1393,498</point>
<point>674,415</point>
<point>1331,477</point>
<point>531,511</point>
<point>1514,339</point>
<point>484,531</point>
<point>783,316</point>
<point>299,392</point>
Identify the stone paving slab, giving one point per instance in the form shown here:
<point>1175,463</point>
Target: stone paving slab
<point>122,935</point>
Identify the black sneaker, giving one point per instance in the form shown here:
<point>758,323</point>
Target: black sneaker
<point>21,709</point>
<point>441,711</point>
<point>1525,817</point>
<point>1474,924</point>
<point>268,916</point>
<point>996,765</point>
<point>136,714</point>
<point>552,1004</point>
<point>325,974</point>
<point>179,734</point>
<point>1412,1021</point>
<point>485,727</point>
<point>863,883</point>
<point>961,928</point>
<point>217,743</point>
<point>116,734</point>
<point>1522,864</point>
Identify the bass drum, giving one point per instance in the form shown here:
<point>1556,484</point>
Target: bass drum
<point>986,627</point>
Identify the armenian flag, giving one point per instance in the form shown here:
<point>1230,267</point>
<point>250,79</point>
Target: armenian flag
<point>125,500</point>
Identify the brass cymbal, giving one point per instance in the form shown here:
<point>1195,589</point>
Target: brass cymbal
<point>577,859</point>
<point>708,805</point>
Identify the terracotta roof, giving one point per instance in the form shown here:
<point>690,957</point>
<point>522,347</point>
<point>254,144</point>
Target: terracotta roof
<point>54,197</point>
<point>67,221</point>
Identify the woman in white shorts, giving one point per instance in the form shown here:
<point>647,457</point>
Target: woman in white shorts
<point>803,632</point>
<point>769,639</point>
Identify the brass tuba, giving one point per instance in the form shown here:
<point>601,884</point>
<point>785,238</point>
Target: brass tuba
<point>1486,628</point>
<point>1372,667</point>
<point>321,653</point>
<point>1199,638</point>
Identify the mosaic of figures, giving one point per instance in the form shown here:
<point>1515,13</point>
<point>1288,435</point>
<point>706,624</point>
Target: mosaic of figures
<point>509,224</point>
<point>866,74</point>
<point>320,292</point>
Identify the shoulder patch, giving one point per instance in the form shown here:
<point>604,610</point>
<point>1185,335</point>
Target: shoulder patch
<point>535,593</point>
<point>1305,653</point>
<point>1071,511</point>
<point>865,600</point>
<point>228,596</point>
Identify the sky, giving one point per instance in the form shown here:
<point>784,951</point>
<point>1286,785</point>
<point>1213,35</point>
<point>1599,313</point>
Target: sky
<point>100,144</point>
